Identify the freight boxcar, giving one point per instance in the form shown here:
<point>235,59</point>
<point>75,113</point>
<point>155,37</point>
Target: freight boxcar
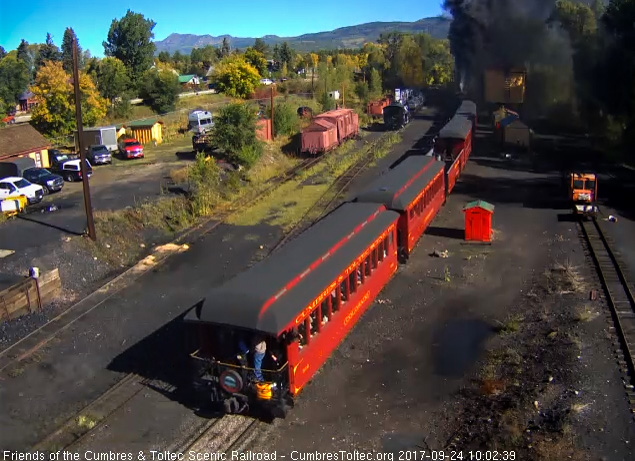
<point>319,137</point>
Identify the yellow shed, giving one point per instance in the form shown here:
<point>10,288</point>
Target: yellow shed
<point>22,140</point>
<point>145,131</point>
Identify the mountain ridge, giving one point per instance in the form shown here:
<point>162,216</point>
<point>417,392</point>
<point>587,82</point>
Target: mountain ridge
<point>343,37</point>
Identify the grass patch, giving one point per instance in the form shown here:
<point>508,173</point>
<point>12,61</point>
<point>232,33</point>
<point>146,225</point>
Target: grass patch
<point>586,314</point>
<point>272,162</point>
<point>563,278</point>
<point>86,422</point>
<point>511,325</point>
<point>279,210</point>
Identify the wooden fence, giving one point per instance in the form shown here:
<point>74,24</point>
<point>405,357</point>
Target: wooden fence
<point>29,295</point>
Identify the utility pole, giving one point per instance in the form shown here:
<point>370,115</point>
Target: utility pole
<point>80,142</point>
<point>343,95</point>
<point>272,112</point>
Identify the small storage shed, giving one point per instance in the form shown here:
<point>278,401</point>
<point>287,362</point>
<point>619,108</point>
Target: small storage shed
<point>517,134</point>
<point>478,221</point>
<point>145,131</point>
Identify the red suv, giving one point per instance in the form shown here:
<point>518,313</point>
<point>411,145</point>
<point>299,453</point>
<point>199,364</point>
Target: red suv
<point>131,148</point>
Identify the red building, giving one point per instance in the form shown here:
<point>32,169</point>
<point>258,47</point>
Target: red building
<point>27,101</point>
<point>478,221</point>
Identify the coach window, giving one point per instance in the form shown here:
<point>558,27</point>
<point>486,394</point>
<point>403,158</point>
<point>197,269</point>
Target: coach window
<point>302,336</point>
<point>352,281</point>
<point>367,266</point>
<point>375,256</point>
<point>335,302</point>
<point>386,247</point>
<point>344,293</point>
<point>314,321</point>
<point>326,310</point>
<point>390,241</point>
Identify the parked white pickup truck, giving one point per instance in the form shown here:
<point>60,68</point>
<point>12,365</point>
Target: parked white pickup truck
<point>14,186</point>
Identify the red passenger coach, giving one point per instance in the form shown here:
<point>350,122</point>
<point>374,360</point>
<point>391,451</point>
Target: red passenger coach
<point>455,139</point>
<point>301,301</point>
<point>452,172</point>
<point>468,110</point>
<point>415,189</point>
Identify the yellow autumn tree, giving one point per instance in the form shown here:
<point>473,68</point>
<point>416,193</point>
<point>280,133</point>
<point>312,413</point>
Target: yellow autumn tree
<point>236,77</point>
<point>409,63</point>
<point>55,112</point>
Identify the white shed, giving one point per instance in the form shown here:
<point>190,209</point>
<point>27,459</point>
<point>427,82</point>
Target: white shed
<point>334,95</point>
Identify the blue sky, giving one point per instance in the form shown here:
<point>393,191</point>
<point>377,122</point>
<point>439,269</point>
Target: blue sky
<point>241,18</point>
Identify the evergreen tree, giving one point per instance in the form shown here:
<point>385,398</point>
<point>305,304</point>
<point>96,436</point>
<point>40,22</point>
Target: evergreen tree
<point>48,52</point>
<point>67,50</point>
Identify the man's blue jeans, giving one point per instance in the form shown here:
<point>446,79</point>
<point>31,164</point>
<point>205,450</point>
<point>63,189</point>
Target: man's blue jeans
<point>258,356</point>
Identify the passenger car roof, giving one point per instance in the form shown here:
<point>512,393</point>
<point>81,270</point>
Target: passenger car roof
<point>398,187</point>
<point>458,127</point>
<point>271,294</point>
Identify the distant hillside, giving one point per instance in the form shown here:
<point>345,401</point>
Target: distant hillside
<point>345,37</point>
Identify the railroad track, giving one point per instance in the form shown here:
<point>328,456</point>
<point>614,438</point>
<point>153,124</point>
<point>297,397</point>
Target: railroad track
<point>619,297</point>
<point>225,434</point>
<point>326,201</point>
<point>74,431</point>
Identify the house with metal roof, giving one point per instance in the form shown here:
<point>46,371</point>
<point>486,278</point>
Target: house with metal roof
<point>189,81</point>
<point>24,141</point>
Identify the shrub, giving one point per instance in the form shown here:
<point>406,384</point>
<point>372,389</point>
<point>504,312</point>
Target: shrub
<point>204,178</point>
<point>235,129</point>
<point>285,119</point>
<point>248,155</point>
<point>326,102</point>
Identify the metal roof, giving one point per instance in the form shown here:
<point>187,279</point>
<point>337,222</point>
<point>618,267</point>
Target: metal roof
<point>142,123</point>
<point>398,187</point>
<point>269,296</point>
<point>186,78</point>
<point>467,107</point>
<point>458,127</point>
<point>479,204</point>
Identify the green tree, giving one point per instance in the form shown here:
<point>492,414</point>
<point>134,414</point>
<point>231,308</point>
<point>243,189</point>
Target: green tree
<point>160,89</point>
<point>67,50</point>
<point>3,52</point>
<point>112,79</point>
<point>256,59</point>
<point>225,48</point>
<point>235,133</point>
<point>14,78</point>
<point>286,54</point>
<point>236,77</point>
<point>48,52</point>
<point>164,56</point>
<point>55,113</point>
<point>91,67</point>
<point>23,51</point>
<point>130,41</point>
<point>260,46</point>
<point>375,84</point>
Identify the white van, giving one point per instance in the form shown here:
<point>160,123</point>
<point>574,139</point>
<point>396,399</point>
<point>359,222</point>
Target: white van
<point>200,121</point>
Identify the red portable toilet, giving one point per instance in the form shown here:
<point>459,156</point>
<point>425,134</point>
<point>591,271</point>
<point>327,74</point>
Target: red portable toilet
<point>478,221</point>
